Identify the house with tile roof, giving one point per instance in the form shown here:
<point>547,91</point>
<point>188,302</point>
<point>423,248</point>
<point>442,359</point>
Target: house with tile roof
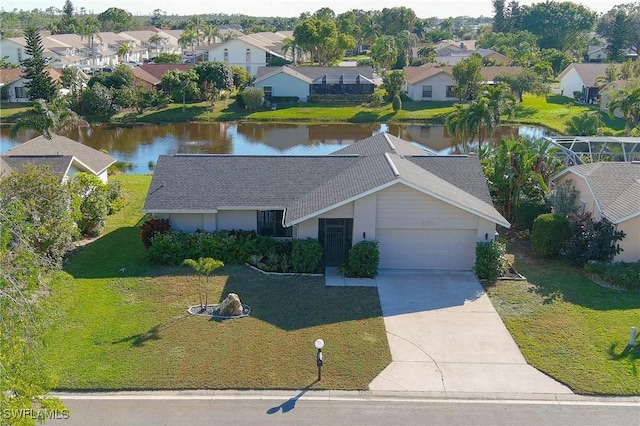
<point>582,77</point>
<point>302,81</point>
<point>610,190</point>
<point>426,211</point>
<point>13,84</point>
<point>64,156</point>
<point>251,51</point>
<point>435,83</point>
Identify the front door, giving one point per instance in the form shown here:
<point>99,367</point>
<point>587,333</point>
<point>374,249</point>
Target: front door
<point>335,237</point>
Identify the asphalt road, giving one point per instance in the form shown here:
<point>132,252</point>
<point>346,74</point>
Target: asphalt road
<point>366,410</point>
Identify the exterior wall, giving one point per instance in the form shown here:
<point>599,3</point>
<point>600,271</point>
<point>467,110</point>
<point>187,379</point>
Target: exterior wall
<point>631,242</point>
<point>284,84</point>
<point>585,202</point>
<point>10,49</point>
<point>11,91</point>
<point>309,228</point>
<point>364,222</point>
<point>237,219</point>
<point>238,55</point>
<point>439,85</point>
<point>571,82</point>
<point>402,207</point>
<point>188,222</point>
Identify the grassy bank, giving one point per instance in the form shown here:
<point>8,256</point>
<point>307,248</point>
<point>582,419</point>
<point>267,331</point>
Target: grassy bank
<point>571,328</point>
<point>122,323</point>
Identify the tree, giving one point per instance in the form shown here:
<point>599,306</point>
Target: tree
<point>68,22</point>
<point>168,58</point>
<point>620,26</point>
<point>384,52</point>
<point>618,37</point>
<point>98,100</point>
<point>24,380</point>
<point>499,25</point>
<point>558,25</point>
<point>524,81</point>
<point>48,118</point>
<point>467,77</point>
<point>395,19</point>
<point>123,52</point>
<point>204,266</point>
<point>428,53</point>
<point>91,199</point>
<point>396,103</point>
<point>393,82</point>
<point>189,38</point>
<point>628,102</point>
<point>159,19</point>
<point>116,20</point>
<point>181,83</point>
<point>252,98</point>
<point>405,41</point>
<point>70,80</point>
<point>39,83</point>
<point>156,39</point>
<point>241,77</point>
<point>289,45</point>
<point>322,39</point>
<point>90,30</point>
<point>216,77</point>
<point>209,33</point>
<point>587,123</point>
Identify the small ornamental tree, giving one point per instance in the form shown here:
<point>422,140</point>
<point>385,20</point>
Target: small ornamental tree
<point>396,104</point>
<point>252,97</point>
<point>204,266</point>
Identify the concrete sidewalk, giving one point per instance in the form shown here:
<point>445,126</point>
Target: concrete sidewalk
<point>445,336</point>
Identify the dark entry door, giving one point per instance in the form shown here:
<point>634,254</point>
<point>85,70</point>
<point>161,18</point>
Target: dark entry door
<point>335,237</point>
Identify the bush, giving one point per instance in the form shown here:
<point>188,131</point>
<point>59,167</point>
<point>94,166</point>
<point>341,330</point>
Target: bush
<point>396,104</point>
<point>152,227</point>
<point>306,255</point>
<point>114,195</point>
<point>91,197</point>
<point>563,198</point>
<point>549,232</point>
<point>591,240</point>
<point>252,98</point>
<point>620,274</point>
<point>490,260</point>
<point>342,99</point>
<point>285,99</point>
<point>362,261</point>
<point>527,212</point>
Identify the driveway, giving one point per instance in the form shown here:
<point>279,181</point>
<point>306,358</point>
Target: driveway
<point>445,336</point>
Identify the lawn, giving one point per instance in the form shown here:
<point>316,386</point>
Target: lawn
<point>122,324</point>
<point>571,328</point>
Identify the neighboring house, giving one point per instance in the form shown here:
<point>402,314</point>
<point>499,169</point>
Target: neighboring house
<point>426,212</point>
<point>457,57</point>
<point>252,51</point>
<point>66,157</point>
<point>435,83</point>
<point>610,190</point>
<point>598,53</point>
<point>151,42</point>
<point>151,74</point>
<point>148,80</point>
<point>582,78</point>
<point>13,84</point>
<point>303,81</point>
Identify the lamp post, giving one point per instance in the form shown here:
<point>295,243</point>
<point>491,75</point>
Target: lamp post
<point>319,344</point>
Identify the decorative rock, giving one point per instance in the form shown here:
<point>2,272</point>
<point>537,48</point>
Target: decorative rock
<point>231,305</point>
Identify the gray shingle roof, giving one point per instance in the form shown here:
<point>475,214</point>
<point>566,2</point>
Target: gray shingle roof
<point>616,187</point>
<point>305,186</point>
<point>57,164</point>
<point>95,160</point>
<point>381,143</point>
<point>315,72</point>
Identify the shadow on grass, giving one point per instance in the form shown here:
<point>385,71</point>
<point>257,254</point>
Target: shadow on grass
<point>140,339</point>
<point>298,302</point>
<point>522,112</point>
<point>290,403</point>
<point>175,114</point>
<point>632,353</point>
<point>365,117</point>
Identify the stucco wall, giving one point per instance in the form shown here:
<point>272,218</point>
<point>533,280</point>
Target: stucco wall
<point>585,201</point>
<point>237,219</point>
<point>439,85</point>
<point>571,82</point>
<point>238,55</point>
<point>631,243</point>
<point>285,85</point>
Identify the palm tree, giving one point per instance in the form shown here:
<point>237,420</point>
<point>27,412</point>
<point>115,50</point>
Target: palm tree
<point>611,74</point>
<point>290,45</point>
<point>628,102</point>
<point>188,38</point>
<point>209,33</point>
<point>204,266</point>
<point>156,39</point>
<point>406,40</point>
<point>90,29</point>
<point>428,52</point>
<point>123,52</point>
<point>48,118</point>
<point>385,51</point>
<point>197,25</point>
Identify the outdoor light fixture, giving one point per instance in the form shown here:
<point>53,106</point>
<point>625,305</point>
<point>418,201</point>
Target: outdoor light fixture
<point>319,344</point>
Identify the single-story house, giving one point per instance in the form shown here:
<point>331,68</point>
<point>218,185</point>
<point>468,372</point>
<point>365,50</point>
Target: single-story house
<point>65,157</point>
<point>435,83</point>
<point>300,82</point>
<point>13,84</point>
<point>610,190</point>
<point>426,211</point>
<point>582,78</point>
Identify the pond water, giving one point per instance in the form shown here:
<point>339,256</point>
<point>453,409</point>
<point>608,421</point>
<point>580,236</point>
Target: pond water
<point>141,145</point>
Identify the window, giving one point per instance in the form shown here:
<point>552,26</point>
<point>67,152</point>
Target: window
<point>270,224</point>
<point>268,90</point>
<point>21,92</point>
<point>450,92</point>
<point>427,92</point>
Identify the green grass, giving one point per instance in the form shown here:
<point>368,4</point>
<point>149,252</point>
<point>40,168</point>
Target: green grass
<point>122,324</point>
<point>570,327</point>
<point>11,111</point>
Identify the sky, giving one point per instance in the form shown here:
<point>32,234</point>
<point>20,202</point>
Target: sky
<point>290,8</point>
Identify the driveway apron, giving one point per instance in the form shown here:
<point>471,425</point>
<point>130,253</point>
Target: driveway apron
<point>445,336</point>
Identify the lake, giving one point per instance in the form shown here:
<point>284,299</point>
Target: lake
<point>142,144</point>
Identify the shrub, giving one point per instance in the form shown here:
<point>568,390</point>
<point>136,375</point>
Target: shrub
<point>620,274</point>
<point>252,98</point>
<point>152,227</point>
<point>91,196</point>
<point>490,260</point>
<point>396,104</point>
<point>285,99</point>
<point>591,240</point>
<point>114,195</point>
<point>563,198</point>
<point>549,232</point>
<point>362,261</point>
<point>527,212</point>
<point>306,255</point>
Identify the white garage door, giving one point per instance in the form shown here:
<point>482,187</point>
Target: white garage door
<point>427,248</point>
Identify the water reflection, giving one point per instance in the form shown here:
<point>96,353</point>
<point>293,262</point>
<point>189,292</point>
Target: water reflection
<point>142,144</point>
